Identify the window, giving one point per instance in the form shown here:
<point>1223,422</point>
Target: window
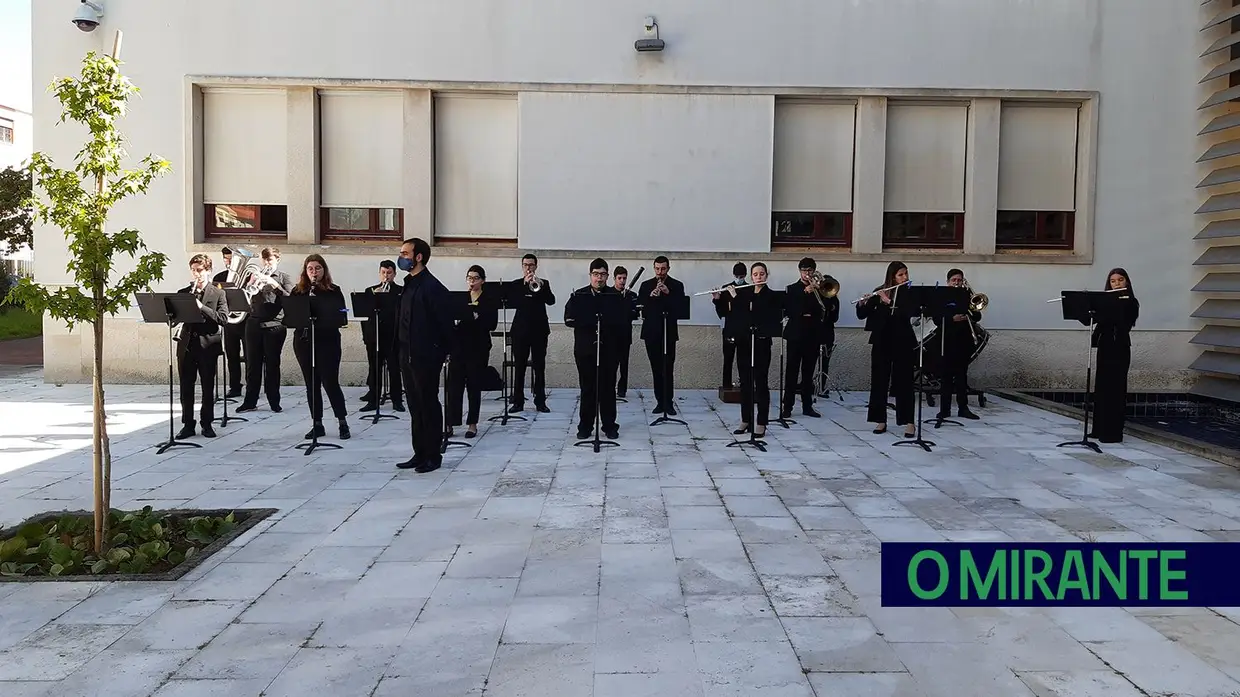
<point>1037,176</point>
<point>363,224</point>
<point>245,162</point>
<point>476,166</point>
<point>925,171</point>
<point>811,197</point>
<point>6,131</point>
<point>361,133</point>
<point>916,230</point>
<point>228,220</point>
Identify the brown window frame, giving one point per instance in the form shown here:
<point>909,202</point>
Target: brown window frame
<point>956,243</point>
<point>1039,231</point>
<point>8,133</point>
<point>371,233</point>
<point>214,232</point>
<point>815,239</point>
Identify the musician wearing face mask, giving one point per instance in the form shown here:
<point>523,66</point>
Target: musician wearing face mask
<point>381,350</point>
<point>426,333</point>
<point>530,332</point>
<point>722,305</point>
<point>467,365</point>
<point>234,332</point>
<point>265,334</point>
<point>659,297</point>
<point>323,374</point>
<point>625,345</point>
<point>199,347</point>
<point>958,348</point>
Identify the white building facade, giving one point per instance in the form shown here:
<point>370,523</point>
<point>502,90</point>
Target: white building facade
<point>1035,145</point>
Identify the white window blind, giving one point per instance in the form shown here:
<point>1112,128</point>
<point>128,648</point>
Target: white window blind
<point>476,166</point>
<point>245,146</point>
<point>925,158</point>
<point>361,141</point>
<point>1037,157</point>
<point>813,157</point>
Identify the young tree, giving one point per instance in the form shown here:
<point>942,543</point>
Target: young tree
<point>78,201</point>
<point>16,223</point>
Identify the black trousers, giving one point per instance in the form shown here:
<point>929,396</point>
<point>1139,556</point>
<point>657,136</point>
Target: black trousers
<point>325,377</point>
<point>465,373</point>
<point>664,382</point>
<point>195,363</point>
<point>529,351</point>
<point>263,346</point>
<point>729,354</point>
<point>384,360</point>
<point>802,360</point>
<point>955,377</point>
<point>755,380</point>
<point>603,391</point>
<point>426,427</point>
<point>623,352</point>
<point>234,336</point>
<point>1111,392</point>
<point>891,367</point>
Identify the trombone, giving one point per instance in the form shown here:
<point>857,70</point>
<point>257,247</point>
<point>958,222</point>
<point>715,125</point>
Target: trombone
<point>721,289</point>
<point>824,287</point>
<point>977,303</point>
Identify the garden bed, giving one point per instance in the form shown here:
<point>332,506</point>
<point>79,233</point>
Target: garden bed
<point>145,545</point>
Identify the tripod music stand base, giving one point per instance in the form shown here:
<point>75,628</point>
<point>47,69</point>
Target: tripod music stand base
<point>375,418</point>
<point>596,443</point>
<point>315,444</point>
<point>919,442</point>
<point>504,418</point>
<point>452,444</point>
<point>752,442</point>
<point>1084,444</point>
<point>939,422</point>
<point>223,421</point>
<point>176,444</point>
<point>786,423</point>
<point>667,420</point>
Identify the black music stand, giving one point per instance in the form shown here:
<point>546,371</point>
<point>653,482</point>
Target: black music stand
<point>634,313</point>
<point>786,304</point>
<point>929,300</point>
<point>674,308</point>
<point>235,298</point>
<point>508,295</point>
<point>757,320</point>
<point>460,310</point>
<point>302,312</point>
<point>170,309</point>
<point>955,301</point>
<point>370,306</point>
<point>600,309</point>
<point>1089,307</point>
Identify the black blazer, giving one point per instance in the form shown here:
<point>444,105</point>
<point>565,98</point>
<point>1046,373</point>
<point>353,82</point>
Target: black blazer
<point>206,334</point>
<point>267,305</point>
<point>958,332</point>
<point>1117,334</point>
<point>387,319</point>
<point>766,304</point>
<point>635,313</point>
<point>806,319</point>
<point>888,327</point>
<point>473,335</point>
<point>425,329</point>
<point>652,309</point>
<point>530,319</point>
<point>723,307</point>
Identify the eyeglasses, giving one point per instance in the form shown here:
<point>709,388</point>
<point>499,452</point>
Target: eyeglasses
<point>599,274</point>
<point>473,277</point>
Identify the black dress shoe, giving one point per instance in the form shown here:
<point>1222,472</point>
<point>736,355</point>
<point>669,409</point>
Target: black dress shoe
<point>516,408</point>
<point>582,435</point>
<point>744,428</point>
<point>671,410</point>
<point>658,409</point>
<point>368,397</point>
<point>369,406</point>
<point>187,431</point>
<point>246,407</point>
<point>943,415</point>
<point>233,394</point>
<point>612,432</point>
<point>785,413</point>
<point>398,406</point>
<point>966,414</point>
<point>315,431</point>
<point>277,408</point>
<point>411,463</point>
<point>208,431</point>
<point>344,430</point>
<point>429,466</point>
<point>543,409</point>
<point>809,411</point>
<point>471,434</point>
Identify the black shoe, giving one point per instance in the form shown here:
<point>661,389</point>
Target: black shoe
<point>429,466</point>
<point>516,408</point>
<point>208,431</point>
<point>411,463</point>
<point>369,406</point>
<point>233,393</point>
<point>743,428</point>
<point>966,414</point>
<point>612,432</point>
<point>276,408</point>
<point>398,406</point>
<point>450,432</point>
<point>671,410</point>
<point>368,397</point>
<point>785,413</point>
<point>943,415</point>
<point>542,408</point>
<point>344,430</point>
<point>809,411</point>
<point>622,394</point>
<point>316,431</point>
<point>471,434</point>
<point>246,407</point>
<point>658,409</point>
<point>187,431</point>
<point>582,435</point>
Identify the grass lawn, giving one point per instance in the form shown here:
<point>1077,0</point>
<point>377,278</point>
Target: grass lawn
<point>19,323</point>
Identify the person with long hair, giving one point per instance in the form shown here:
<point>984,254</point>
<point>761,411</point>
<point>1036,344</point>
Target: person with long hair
<point>316,281</point>
<point>760,314</point>
<point>892,348</point>
<point>1114,345</point>
<point>467,366</point>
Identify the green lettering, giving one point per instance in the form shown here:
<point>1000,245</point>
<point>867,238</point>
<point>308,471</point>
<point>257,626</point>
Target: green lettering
<point>944,576</point>
<point>970,578</point>
<point>1165,575</point>
<point>1074,566</point>
<point>1014,590</point>
<point>1143,557</point>
<point>1039,576</point>
<point>1103,568</point>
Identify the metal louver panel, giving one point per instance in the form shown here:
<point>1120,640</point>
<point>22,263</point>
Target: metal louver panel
<point>1219,283</point>
<point>1226,121</point>
<point>1218,309</point>
<point>1220,151</point>
<point>1219,256</point>
<point>1217,362</point>
<point>1219,229</point>
<point>1218,336</point>
<point>1224,16</point>
<point>1221,203</point>
<point>1227,175</point>
<point>1218,388</point>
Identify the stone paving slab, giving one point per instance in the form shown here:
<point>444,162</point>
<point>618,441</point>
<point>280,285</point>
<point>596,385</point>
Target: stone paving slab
<point>670,565</point>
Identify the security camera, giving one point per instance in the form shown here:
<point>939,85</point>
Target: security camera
<point>652,42</point>
<point>88,16</point>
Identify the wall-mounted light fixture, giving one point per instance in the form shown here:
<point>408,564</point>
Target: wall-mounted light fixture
<point>88,16</point>
<point>652,42</point>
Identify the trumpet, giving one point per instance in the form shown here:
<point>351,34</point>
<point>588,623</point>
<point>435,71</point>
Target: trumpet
<point>384,287</point>
<point>534,284</point>
<point>721,289</point>
<point>867,296</point>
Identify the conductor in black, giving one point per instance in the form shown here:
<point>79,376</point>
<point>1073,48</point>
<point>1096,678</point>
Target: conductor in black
<point>199,347</point>
<point>530,331</point>
<point>600,389</point>
<point>425,332</point>
<point>657,296</point>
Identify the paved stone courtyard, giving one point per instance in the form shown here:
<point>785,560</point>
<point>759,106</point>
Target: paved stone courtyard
<point>672,565</point>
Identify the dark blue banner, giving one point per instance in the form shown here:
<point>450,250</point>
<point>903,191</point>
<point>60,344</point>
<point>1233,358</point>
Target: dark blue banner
<point>999,574</point>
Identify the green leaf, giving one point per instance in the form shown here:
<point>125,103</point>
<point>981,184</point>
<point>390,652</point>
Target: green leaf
<point>12,548</point>
<point>189,553</point>
<point>56,570</point>
<point>99,566</point>
<point>60,554</point>
<point>157,530</point>
<point>120,538</point>
<point>175,558</point>
<point>119,554</point>
<point>33,532</point>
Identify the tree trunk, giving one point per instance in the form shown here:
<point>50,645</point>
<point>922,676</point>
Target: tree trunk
<point>103,459</point>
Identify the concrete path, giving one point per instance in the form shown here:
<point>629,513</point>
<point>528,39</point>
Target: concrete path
<point>672,565</point>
